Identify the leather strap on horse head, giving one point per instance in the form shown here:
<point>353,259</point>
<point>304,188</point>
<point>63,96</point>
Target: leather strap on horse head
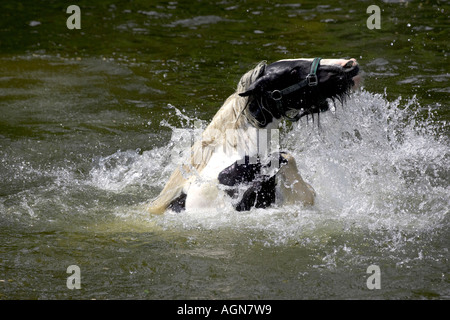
<point>311,80</point>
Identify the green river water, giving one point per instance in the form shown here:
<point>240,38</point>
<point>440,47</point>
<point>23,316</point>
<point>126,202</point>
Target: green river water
<point>87,123</point>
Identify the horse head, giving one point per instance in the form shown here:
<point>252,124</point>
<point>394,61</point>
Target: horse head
<point>297,87</point>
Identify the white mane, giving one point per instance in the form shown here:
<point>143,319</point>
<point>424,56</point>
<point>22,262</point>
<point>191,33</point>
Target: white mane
<point>233,115</point>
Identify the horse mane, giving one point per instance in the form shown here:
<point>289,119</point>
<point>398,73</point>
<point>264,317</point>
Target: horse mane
<point>232,115</point>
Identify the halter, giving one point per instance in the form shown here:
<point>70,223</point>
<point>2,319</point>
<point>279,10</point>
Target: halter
<point>311,80</point>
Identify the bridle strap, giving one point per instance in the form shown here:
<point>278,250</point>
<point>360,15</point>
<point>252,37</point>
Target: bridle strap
<point>310,80</point>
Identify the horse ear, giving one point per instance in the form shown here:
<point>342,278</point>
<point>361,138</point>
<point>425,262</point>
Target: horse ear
<point>246,93</point>
<point>251,80</point>
<point>256,86</point>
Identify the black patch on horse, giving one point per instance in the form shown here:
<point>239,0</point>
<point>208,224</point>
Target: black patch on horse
<point>242,178</point>
<point>179,203</point>
<point>259,188</point>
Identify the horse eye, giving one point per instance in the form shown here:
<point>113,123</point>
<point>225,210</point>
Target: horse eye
<point>293,72</point>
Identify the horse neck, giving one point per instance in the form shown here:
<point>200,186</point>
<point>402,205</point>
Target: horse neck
<point>236,133</point>
<point>248,140</point>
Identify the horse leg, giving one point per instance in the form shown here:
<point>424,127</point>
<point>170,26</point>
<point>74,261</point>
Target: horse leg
<point>292,187</point>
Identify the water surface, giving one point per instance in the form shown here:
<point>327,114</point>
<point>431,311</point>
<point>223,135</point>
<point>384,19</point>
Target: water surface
<point>88,122</point>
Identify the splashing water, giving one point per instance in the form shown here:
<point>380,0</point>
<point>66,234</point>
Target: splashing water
<point>375,165</point>
<point>375,162</point>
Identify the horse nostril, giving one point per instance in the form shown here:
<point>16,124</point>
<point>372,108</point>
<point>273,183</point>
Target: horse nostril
<point>349,64</point>
<point>352,71</point>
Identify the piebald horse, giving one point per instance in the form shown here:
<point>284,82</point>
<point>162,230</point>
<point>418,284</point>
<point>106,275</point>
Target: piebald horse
<point>229,166</point>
